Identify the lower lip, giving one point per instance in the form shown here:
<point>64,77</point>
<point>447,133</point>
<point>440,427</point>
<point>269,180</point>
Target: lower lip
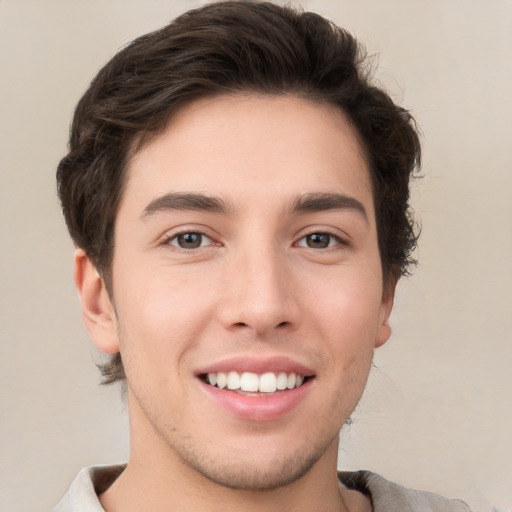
<point>258,408</point>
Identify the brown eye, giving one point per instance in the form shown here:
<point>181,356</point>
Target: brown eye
<point>191,240</point>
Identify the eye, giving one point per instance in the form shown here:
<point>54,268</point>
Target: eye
<point>190,240</point>
<point>319,241</point>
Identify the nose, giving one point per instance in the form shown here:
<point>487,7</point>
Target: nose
<point>259,294</point>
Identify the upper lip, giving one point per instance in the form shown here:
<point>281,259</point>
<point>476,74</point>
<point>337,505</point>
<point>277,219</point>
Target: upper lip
<point>257,365</point>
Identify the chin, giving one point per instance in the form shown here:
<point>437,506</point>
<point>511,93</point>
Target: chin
<point>257,467</point>
<point>266,476</point>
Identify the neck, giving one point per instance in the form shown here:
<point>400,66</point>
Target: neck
<point>166,483</point>
<point>134,491</point>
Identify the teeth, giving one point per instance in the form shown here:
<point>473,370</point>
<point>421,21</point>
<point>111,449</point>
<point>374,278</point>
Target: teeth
<point>251,382</point>
<point>268,383</point>
<point>222,379</point>
<point>282,379</point>
<point>233,380</point>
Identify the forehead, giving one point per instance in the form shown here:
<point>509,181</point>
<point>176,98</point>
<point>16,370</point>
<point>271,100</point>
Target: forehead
<point>245,146</point>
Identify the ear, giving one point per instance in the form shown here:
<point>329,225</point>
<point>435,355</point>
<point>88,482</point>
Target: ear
<point>97,309</point>
<point>388,296</point>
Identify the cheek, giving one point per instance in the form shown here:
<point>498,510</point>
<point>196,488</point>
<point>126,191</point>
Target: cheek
<point>161,314</point>
<point>346,319</point>
<point>348,309</point>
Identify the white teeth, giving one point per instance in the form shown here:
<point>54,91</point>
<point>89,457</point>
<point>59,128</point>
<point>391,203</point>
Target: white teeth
<point>233,380</point>
<point>268,383</point>
<point>251,382</point>
<point>282,379</point>
<point>292,379</point>
<point>222,380</point>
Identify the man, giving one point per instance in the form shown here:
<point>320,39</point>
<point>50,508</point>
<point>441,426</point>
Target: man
<point>238,192</point>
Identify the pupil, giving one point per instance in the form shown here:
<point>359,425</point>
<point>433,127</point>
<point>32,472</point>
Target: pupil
<point>318,240</point>
<point>189,240</point>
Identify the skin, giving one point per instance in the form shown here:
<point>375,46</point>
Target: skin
<point>255,287</point>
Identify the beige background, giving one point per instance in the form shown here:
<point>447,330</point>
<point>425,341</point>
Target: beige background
<point>437,413</point>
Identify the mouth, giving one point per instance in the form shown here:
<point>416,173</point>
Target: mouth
<point>257,389</point>
<point>254,384</point>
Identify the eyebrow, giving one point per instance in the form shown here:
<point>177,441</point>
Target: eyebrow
<point>307,203</point>
<point>186,201</point>
<point>318,202</point>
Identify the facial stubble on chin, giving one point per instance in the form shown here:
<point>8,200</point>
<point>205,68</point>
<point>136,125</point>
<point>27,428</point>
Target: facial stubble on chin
<point>278,473</point>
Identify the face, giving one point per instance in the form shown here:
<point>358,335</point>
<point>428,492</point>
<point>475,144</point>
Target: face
<point>247,288</point>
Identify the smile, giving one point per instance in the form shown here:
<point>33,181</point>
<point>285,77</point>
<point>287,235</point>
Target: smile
<point>254,383</point>
<point>256,389</point>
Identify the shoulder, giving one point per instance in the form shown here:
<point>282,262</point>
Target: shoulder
<point>388,496</point>
<point>82,495</point>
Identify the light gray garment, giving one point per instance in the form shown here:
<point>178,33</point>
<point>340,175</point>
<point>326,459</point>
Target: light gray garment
<point>385,496</point>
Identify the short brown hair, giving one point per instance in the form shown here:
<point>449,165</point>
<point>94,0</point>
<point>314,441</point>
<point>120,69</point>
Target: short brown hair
<point>229,47</point>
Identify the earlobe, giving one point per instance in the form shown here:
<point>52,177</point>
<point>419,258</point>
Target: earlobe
<point>97,309</point>
<point>384,329</point>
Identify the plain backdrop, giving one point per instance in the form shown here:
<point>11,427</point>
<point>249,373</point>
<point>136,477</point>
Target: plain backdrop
<point>437,412</point>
